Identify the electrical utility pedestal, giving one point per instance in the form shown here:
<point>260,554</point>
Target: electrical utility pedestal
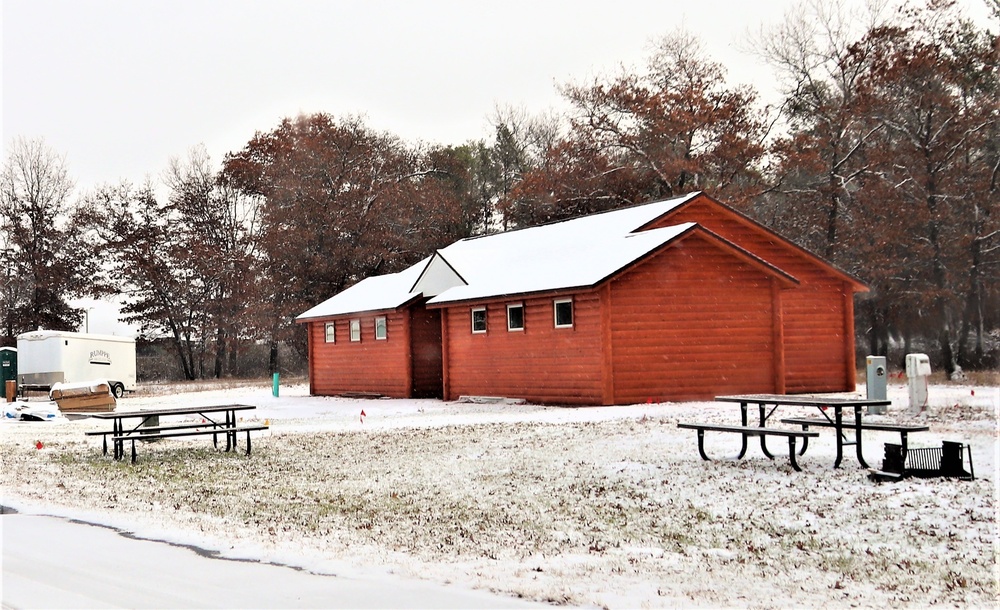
<point>876,383</point>
<point>918,369</point>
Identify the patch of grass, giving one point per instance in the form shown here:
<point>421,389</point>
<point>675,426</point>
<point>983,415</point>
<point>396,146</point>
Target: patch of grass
<point>203,385</point>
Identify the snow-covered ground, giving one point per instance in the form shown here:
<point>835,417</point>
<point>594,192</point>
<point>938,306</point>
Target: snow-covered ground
<point>51,562</point>
<point>600,506</point>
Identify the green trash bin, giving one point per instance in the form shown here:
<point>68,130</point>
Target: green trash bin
<point>8,371</point>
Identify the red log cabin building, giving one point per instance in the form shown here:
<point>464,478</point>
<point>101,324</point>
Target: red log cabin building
<point>681,299</point>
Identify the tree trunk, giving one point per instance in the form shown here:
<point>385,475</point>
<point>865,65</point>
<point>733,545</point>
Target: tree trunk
<point>940,277</point>
<point>878,332</point>
<point>233,353</point>
<point>972,315</point>
<point>833,214</point>
<point>187,366</point>
<point>220,353</point>
<point>272,361</point>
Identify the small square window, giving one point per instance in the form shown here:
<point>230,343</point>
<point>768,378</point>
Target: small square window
<point>515,317</point>
<point>479,320</point>
<point>380,328</point>
<point>331,332</point>
<point>355,330</point>
<point>563,312</point>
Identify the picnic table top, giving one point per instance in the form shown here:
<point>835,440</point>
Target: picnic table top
<point>172,411</point>
<point>804,400</point>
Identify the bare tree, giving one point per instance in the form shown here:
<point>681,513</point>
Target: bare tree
<point>818,60</point>
<point>341,202</point>
<point>48,259</point>
<point>673,127</point>
<point>933,89</point>
<point>220,227</point>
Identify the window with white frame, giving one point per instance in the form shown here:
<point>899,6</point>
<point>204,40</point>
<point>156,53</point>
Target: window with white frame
<point>355,330</point>
<point>331,332</point>
<point>562,311</point>
<point>380,328</point>
<point>515,316</point>
<point>479,319</point>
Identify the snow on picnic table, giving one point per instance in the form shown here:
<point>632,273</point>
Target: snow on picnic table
<point>599,506</point>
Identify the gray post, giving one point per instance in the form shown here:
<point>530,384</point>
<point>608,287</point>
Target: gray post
<point>876,382</point>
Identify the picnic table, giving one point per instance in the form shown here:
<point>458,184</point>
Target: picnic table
<point>768,403</point>
<point>217,420</point>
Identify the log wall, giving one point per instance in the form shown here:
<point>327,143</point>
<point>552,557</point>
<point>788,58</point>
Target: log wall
<point>819,350</point>
<point>370,365</point>
<point>692,323</point>
<point>540,363</point>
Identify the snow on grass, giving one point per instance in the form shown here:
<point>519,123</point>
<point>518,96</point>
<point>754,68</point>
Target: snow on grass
<point>607,506</point>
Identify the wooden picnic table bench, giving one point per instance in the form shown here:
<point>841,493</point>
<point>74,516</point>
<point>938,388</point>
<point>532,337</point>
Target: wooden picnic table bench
<point>211,424</point>
<point>825,422</point>
<point>747,431</point>
<point>145,430</point>
<point>230,433</point>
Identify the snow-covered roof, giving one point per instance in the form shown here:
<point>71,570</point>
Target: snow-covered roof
<point>575,253</point>
<point>42,335</point>
<point>376,293</point>
<point>529,261</point>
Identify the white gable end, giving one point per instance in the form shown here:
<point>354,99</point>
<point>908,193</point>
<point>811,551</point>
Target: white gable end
<point>437,277</point>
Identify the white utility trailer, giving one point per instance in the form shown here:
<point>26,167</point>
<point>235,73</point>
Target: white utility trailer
<point>47,357</point>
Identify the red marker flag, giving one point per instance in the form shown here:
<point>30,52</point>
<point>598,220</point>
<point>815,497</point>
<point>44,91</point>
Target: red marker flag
<point>362,416</point>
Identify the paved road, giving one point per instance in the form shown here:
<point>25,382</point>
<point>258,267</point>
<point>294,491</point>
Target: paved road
<point>50,562</point>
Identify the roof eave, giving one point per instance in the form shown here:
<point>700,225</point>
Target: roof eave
<point>856,284</point>
<point>364,312</point>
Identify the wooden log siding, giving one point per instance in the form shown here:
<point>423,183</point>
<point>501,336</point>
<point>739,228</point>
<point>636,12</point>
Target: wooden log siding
<point>692,323</point>
<point>541,363</point>
<point>367,366</point>
<point>819,355</point>
<point>814,339</point>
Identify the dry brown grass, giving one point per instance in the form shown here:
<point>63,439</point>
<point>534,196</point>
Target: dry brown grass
<point>619,513</point>
<point>158,388</point>
<point>979,378</point>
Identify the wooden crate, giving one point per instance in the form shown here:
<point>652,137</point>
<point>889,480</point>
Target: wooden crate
<point>93,399</point>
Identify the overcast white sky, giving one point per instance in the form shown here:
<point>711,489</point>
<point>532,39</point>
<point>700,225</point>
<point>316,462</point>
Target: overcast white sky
<point>120,86</point>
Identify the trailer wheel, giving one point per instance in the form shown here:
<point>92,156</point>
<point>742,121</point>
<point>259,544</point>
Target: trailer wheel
<point>118,390</point>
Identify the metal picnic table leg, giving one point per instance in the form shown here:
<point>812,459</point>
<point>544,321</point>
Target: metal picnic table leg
<point>838,420</point>
<point>701,445</point>
<point>119,445</point>
<point>230,435</point>
<point>743,419</point>
<point>857,439</point>
<point>805,440</point>
<point>763,437</point>
<point>791,453</point>
<point>215,437</point>
<point>248,442</point>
